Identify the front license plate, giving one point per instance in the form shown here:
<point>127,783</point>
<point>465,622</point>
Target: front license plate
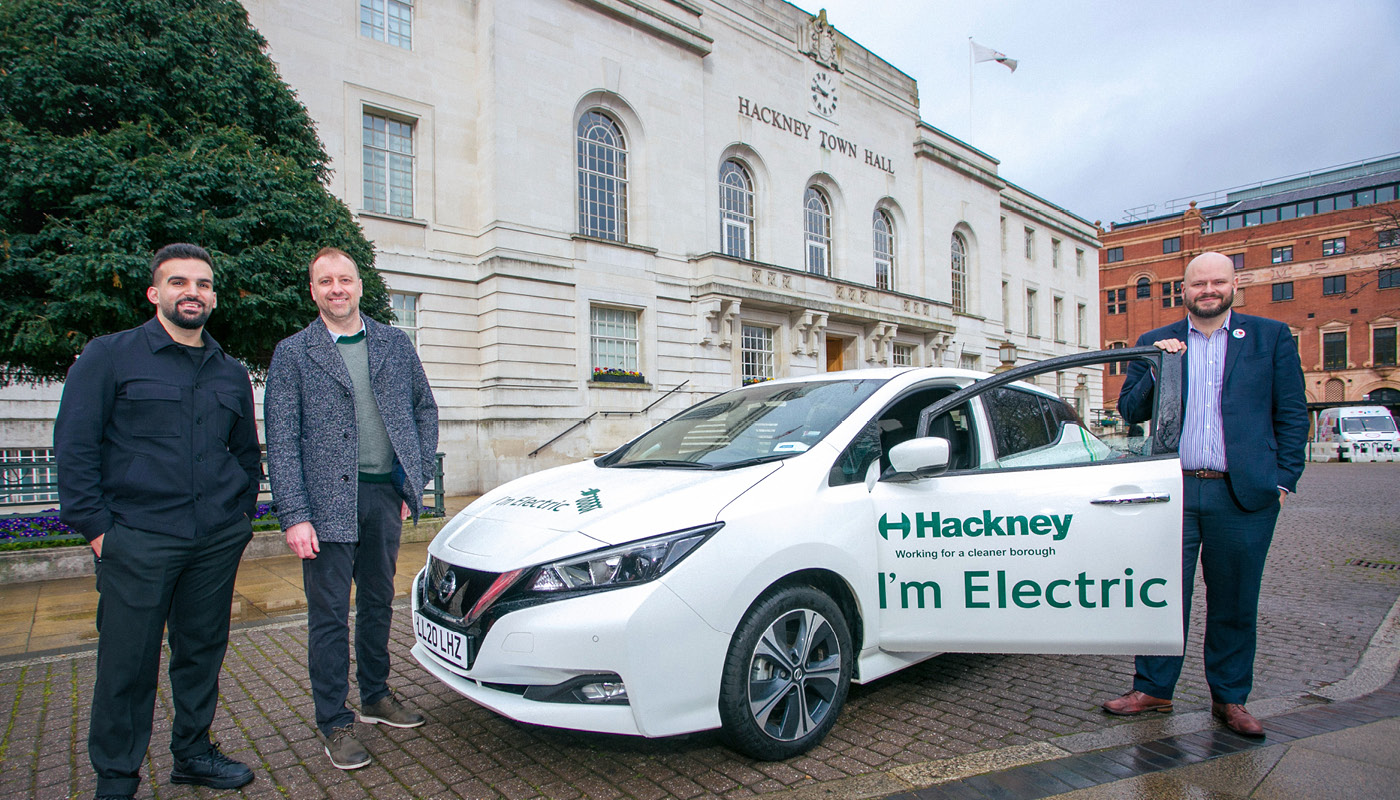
<point>448,645</point>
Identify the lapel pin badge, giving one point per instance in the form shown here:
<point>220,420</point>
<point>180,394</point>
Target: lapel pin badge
<point>1238,333</point>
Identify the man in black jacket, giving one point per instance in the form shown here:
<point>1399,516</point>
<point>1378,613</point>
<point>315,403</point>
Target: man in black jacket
<point>158,468</point>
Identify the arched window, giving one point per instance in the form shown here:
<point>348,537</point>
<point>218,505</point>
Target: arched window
<point>959,273</point>
<point>602,178</point>
<point>735,209</point>
<point>1144,288</point>
<point>818,213</point>
<point>883,229</point>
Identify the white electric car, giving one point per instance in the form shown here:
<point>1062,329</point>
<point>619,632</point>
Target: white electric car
<point>740,564</point>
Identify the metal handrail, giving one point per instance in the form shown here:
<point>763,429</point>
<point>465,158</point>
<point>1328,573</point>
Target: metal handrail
<point>580,423</point>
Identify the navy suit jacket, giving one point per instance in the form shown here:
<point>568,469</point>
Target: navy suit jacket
<point>1263,405</point>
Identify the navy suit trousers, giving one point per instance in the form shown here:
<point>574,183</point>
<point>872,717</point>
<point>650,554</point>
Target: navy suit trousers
<point>1232,545</point>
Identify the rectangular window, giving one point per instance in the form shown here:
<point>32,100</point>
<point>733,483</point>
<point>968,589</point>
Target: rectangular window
<point>1343,201</point>
<point>902,355</point>
<point>1334,350</point>
<point>1334,247</point>
<point>1334,284</point>
<point>1281,255</point>
<point>1237,260</point>
<point>1057,306</point>
<point>756,354</point>
<point>1283,291</point>
<point>1030,244</point>
<point>1144,289</point>
<point>405,308</point>
<point>1268,215</point>
<point>1171,294</point>
<point>1383,347</point>
<point>1384,194</point>
<point>1251,218</point>
<point>1172,245</point>
<point>1365,197</point>
<point>1081,325</point>
<point>1326,204</point>
<point>1055,253</point>
<point>1389,238</point>
<point>388,165</point>
<point>1079,262</point>
<point>969,360</point>
<point>1113,255</point>
<point>387,21</point>
<point>1117,301</point>
<point>613,340</point>
<point>1117,367</point>
<point>1287,212</point>
<point>1031,314</point>
<point>1306,208</point>
<point>1388,278</point>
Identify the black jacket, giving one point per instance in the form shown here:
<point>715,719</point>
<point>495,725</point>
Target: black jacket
<point>154,439</point>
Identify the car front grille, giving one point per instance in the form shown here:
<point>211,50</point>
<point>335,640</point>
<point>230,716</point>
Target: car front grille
<point>452,591</point>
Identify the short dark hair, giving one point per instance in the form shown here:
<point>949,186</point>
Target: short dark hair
<point>330,251</point>
<point>178,250</point>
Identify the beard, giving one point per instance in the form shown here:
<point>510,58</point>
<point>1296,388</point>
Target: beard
<point>189,321</point>
<point>1194,306</point>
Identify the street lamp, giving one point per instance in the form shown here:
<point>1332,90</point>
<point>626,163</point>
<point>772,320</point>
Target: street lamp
<point>1006,351</point>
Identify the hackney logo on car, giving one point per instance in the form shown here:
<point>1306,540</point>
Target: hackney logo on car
<point>932,525</point>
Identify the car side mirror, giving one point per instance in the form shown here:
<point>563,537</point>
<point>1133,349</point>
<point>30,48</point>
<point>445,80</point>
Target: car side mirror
<point>919,458</point>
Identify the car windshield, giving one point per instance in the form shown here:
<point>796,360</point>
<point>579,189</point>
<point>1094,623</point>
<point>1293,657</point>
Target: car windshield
<point>1368,425</point>
<point>758,423</point>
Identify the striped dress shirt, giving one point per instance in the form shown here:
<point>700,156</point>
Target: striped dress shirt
<point>1202,432</point>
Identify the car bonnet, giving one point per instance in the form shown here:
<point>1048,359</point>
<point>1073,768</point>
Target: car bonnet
<point>582,507</point>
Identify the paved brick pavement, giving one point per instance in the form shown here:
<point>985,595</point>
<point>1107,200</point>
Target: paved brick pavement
<point>1318,615</point>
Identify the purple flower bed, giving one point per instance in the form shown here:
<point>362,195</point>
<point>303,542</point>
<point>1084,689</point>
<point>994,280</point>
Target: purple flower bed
<point>46,525</point>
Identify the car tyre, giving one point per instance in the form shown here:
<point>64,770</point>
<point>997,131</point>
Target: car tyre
<point>786,675</point>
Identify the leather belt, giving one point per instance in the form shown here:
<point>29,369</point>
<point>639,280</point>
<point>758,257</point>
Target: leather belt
<point>1203,473</point>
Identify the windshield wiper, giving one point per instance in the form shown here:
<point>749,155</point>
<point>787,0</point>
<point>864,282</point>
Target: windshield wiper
<point>748,462</point>
<point>661,462</point>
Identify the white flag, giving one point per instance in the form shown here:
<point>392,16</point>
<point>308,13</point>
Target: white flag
<point>980,53</point>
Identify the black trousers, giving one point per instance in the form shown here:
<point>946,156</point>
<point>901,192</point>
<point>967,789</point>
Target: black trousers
<point>370,563</point>
<point>149,583</point>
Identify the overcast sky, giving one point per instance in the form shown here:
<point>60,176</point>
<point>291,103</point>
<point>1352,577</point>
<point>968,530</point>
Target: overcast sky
<point>1118,104</point>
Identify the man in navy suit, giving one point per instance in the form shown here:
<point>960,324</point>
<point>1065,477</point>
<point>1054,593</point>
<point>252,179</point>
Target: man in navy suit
<point>1242,442</point>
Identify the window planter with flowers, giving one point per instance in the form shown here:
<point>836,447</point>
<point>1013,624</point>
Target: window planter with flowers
<point>615,375</point>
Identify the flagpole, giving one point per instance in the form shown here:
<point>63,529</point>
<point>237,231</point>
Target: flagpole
<point>970,65</point>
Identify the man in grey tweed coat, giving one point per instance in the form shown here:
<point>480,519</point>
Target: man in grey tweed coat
<point>352,433</point>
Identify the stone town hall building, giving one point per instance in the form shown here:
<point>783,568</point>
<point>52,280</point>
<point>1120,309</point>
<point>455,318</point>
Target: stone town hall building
<point>701,192</point>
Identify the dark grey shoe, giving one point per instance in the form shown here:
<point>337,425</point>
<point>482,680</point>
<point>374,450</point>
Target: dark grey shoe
<point>388,710</point>
<point>212,769</point>
<point>344,750</point>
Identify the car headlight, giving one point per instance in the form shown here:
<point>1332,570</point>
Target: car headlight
<point>632,563</point>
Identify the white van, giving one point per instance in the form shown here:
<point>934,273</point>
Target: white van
<point>1362,433</point>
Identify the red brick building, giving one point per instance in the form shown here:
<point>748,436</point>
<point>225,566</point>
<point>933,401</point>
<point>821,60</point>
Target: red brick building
<point>1320,253</point>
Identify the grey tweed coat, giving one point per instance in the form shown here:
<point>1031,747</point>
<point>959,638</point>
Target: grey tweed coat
<point>312,442</point>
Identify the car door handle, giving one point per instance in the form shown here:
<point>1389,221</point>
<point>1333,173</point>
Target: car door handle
<point>1132,499</point>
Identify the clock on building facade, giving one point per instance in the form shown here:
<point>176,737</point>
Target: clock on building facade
<point>824,94</point>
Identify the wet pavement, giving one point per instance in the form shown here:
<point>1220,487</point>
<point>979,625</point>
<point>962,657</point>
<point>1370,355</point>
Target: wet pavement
<point>958,725</point>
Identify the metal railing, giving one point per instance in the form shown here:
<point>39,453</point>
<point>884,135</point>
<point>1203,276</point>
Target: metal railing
<point>581,422</point>
<point>34,481</point>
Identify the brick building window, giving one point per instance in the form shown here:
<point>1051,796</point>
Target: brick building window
<point>1388,278</point>
<point>1334,247</point>
<point>1281,255</point>
<point>1144,289</point>
<point>1115,254</point>
<point>1117,301</point>
<point>1283,291</point>
<point>1334,350</point>
<point>1171,294</point>
<point>1172,245</point>
<point>1117,367</point>
<point>1383,347</point>
<point>1389,238</point>
<point>1334,284</point>
<point>1237,260</point>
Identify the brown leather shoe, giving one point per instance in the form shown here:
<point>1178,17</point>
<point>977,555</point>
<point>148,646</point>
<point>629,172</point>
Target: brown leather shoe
<point>1237,719</point>
<point>1136,702</point>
